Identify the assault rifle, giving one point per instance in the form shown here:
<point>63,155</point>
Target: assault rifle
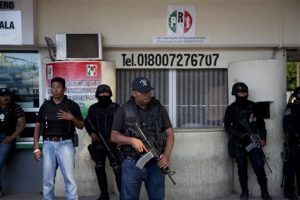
<point>152,153</point>
<point>114,160</point>
<point>255,141</point>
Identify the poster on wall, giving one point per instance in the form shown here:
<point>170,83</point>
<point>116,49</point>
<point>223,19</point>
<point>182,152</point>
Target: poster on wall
<point>10,28</point>
<point>82,79</point>
<point>181,21</point>
<point>180,27</point>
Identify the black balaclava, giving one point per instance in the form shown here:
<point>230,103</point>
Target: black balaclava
<point>240,99</point>
<point>104,101</point>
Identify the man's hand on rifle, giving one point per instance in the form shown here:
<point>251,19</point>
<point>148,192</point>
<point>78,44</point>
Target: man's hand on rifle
<point>262,142</point>
<point>163,161</point>
<point>138,145</point>
<point>94,137</point>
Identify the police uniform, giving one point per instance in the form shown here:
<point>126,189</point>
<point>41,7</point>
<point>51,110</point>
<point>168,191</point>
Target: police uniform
<point>241,116</point>
<point>291,128</point>
<point>153,120</point>
<point>102,119</point>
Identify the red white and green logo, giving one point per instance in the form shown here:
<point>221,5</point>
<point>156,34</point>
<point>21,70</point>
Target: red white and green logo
<point>181,21</point>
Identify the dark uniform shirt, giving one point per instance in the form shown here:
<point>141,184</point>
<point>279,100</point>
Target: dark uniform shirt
<point>239,111</point>
<point>291,123</point>
<point>102,118</point>
<point>9,117</point>
<point>119,121</point>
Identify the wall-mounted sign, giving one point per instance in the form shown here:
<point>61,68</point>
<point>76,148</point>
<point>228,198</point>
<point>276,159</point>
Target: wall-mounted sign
<point>181,21</point>
<point>181,27</point>
<point>82,79</point>
<point>10,28</point>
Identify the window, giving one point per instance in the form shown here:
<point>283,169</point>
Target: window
<point>194,98</point>
<point>19,71</point>
<point>201,97</point>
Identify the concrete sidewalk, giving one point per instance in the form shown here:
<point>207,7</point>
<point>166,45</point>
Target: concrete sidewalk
<point>38,196</point>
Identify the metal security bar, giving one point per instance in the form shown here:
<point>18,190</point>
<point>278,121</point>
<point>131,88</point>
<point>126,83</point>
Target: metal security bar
<point>201,94</point>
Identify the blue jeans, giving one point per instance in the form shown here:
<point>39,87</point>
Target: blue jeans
<point>132,178</point>
<point>59,154</point>
<point>4,152</point>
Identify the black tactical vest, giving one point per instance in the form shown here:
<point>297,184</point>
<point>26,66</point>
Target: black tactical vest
<point>104,118</point>
<point>51,125</point>
<point>8,121</point>
<point>151,125</point>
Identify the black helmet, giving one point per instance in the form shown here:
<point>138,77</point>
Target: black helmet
<point>103,88</point>
<point>296,93</point>
<point>239,87</point>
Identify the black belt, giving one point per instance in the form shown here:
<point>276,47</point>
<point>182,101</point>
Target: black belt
<point>56,139</point>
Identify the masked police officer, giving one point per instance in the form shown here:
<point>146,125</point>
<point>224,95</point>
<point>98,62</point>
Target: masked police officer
<point>101,115</point>
<point>153,119</point>
<point>12,123</point>
<point>241,116</point>
<point>291,128</point>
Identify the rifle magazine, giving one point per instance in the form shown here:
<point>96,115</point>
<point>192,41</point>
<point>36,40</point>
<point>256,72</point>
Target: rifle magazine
<point>144,160</point>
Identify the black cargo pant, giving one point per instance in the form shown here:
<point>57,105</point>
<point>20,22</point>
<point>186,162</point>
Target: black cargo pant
<point>99,156</point>
<point>257,163</point>
<point>292,167</point>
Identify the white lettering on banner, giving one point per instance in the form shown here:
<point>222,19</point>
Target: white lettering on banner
<point>10,28</point>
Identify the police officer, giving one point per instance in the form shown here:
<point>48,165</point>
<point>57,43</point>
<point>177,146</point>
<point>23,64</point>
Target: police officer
<point>241,116</point>
<point>153,119</point>
<point>291,128</point>
<point>101,115</point>
<point>56,120</point>
<point>12,123</point>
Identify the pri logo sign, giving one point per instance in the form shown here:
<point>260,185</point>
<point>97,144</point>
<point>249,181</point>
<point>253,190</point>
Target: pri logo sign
<point>181,21</point>
<point>91,70</point>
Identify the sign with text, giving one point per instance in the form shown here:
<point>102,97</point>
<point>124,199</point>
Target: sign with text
<point>181,21</point>
<point>10,28</point>
<point>82,79</point>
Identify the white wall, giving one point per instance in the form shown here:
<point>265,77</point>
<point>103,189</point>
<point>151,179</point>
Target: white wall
<point>135,22</point>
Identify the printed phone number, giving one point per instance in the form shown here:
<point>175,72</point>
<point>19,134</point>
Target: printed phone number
<point>173,60</point>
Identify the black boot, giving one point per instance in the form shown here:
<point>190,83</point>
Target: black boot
<point>244,196</point>
<point>245,191</point>
<point>291,196</point>
<point>104,196</point>
<point>102,181</point>
<point>265,195</point>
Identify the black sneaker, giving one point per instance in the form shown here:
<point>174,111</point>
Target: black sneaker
<point>244,196</point>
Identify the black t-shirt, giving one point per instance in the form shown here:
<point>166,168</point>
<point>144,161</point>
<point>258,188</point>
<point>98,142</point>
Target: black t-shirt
<point>48,112</point>
<point>9,117</point>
